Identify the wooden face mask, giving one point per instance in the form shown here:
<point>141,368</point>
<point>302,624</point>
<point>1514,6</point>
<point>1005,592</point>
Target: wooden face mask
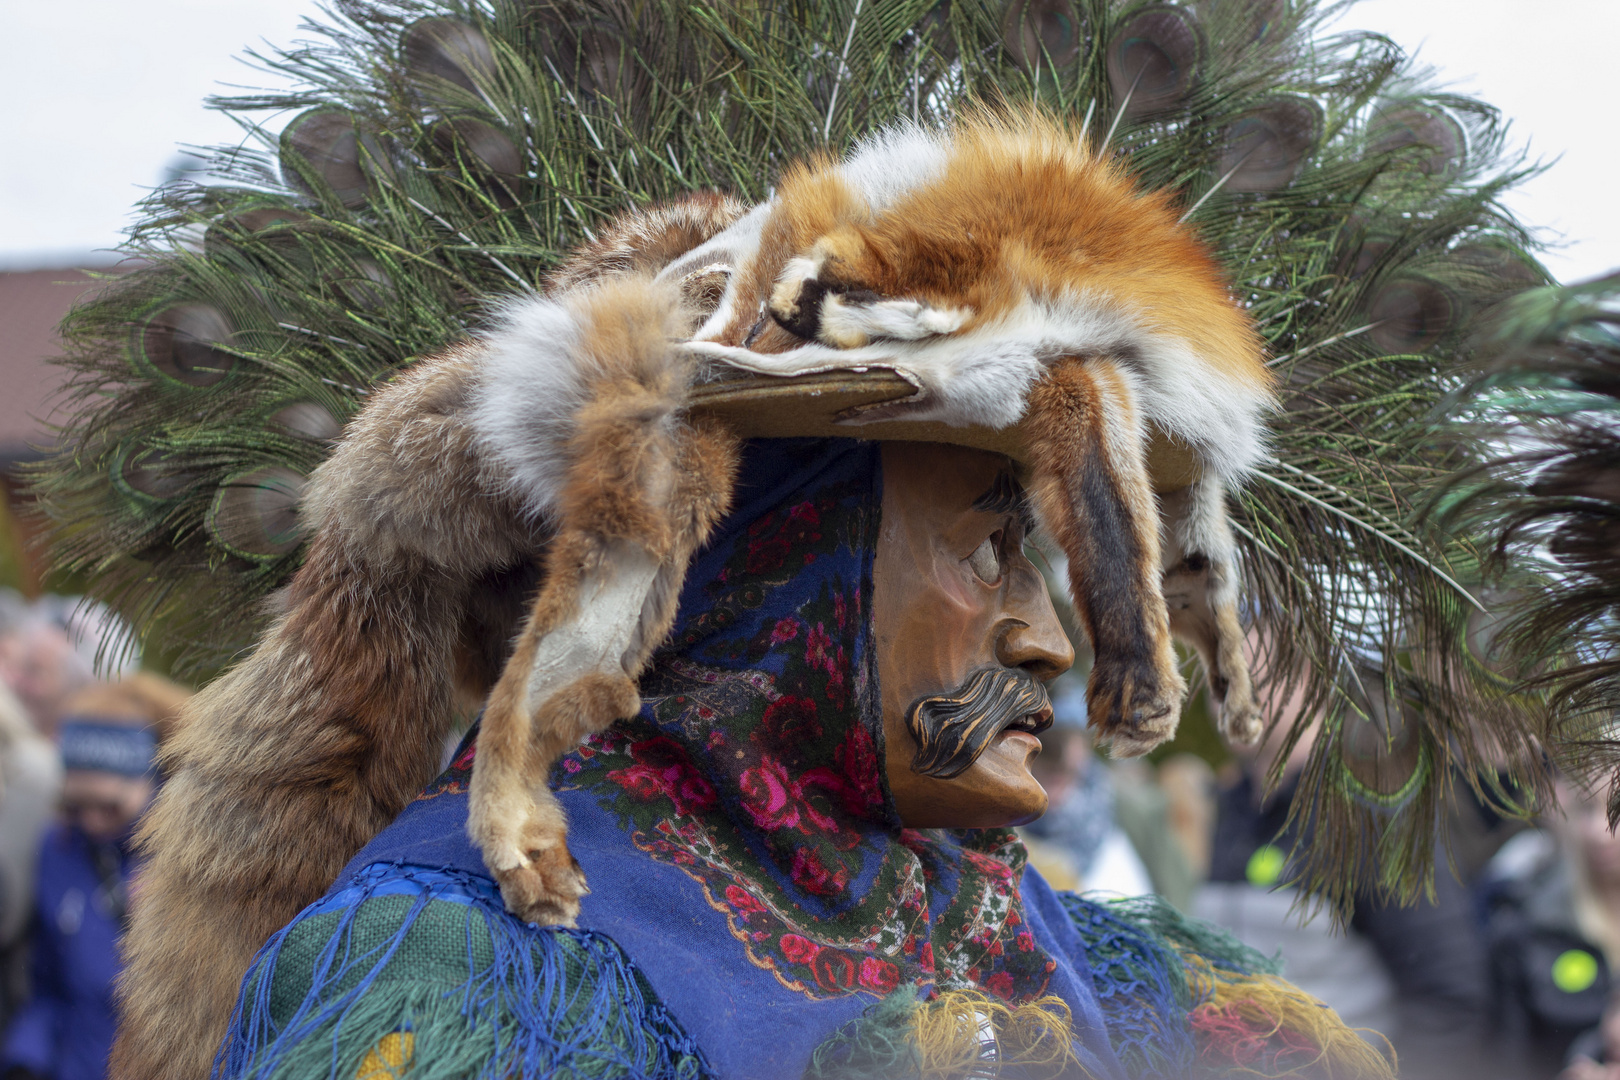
<point>966,638</point>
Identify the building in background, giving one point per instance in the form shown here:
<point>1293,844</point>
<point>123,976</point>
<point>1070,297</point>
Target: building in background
<point>32,303</point>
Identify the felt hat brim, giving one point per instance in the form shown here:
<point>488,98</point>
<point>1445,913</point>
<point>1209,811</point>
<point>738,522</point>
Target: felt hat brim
<point>828,403</point>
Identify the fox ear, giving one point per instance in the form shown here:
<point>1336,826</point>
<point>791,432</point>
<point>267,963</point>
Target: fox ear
<point>1200,591</point>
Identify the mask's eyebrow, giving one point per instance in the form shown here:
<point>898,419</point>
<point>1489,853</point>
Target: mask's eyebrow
<point>1006,496</point>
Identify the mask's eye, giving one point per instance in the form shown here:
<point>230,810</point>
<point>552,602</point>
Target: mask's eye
<point>986,559</point>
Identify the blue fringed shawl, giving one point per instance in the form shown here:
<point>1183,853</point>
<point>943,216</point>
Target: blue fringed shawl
<point>752,890</point>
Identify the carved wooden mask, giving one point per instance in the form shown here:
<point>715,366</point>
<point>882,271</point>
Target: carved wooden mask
<point>966,639</point>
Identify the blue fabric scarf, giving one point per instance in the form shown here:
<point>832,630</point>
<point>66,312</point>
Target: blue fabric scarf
<point>738,838</point>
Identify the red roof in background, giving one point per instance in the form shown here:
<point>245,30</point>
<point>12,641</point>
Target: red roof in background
<point>32,302</point>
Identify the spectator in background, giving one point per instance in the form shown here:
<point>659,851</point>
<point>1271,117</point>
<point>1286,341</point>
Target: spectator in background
<point>1416,973</point>
<point>1106,828</point>
<point>30,780</point>
<point>50,649</point>
<point>1596,1054</point>
<point>1551,900</point>
<point>108,738</point>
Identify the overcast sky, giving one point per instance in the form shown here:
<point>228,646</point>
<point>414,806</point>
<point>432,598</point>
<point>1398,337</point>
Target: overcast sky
<point>101,93</point>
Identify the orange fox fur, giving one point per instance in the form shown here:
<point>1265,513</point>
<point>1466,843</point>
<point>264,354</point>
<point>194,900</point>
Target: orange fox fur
<point>1023,210</point>
<point>643,492</point>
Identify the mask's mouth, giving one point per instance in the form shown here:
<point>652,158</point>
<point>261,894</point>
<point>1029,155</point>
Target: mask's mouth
<point>1034,723</point>
<point>954,728</point>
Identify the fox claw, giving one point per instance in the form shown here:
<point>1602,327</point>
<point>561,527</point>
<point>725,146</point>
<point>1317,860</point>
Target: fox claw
<point>1134,718</point>
<point>543,882</point>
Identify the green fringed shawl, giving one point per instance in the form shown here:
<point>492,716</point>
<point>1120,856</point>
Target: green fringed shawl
<point>479,993</point>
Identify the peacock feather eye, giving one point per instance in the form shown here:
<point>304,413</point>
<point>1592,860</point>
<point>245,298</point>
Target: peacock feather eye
<point>307,420</point>
<point>437,48</point>
<point>255,513</point>
<point>253,221</point>
<point>1502,270</point>
<point>1255,20</point>
<point>185,343</point>
<point>1378,741</point>
<point>324,144</point>
<point>599,62</point>
<point>487,151</point>
<point>1423,127</point>
<point>1154,60</point>
<point>148,474</point>
<point>1266,148</point>
<point>1041,34</point>
<point>1411,314</point>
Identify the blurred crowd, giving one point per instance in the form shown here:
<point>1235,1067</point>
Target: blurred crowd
<point>1504,971</point>
<point>77,768</point>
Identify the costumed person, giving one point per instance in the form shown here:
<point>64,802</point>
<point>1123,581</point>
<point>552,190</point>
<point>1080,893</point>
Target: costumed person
<point>1181,220</point>
<point>797,851</point>
<point>108,736</point>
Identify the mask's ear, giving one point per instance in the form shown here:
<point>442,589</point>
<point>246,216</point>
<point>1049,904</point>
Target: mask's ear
<point>1201,592</point>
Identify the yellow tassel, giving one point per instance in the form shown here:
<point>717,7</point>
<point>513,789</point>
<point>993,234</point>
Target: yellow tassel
<point>1269,1006</point>
<point>968,1034</point>
<point>388,1059</point>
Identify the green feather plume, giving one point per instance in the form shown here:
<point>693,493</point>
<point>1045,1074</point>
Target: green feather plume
<point>1541,492</point>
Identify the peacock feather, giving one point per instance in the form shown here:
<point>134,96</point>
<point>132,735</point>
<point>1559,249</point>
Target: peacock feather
<point>442,155</point>
<point>1544,501</point>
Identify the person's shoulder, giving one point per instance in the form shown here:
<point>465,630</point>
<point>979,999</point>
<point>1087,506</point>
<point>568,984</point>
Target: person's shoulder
<point>1151,963</point>
<point>435,925</point>
<point>61,842</point>
<point>477,984</point>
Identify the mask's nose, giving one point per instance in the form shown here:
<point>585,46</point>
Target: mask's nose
<point>1029,635</point>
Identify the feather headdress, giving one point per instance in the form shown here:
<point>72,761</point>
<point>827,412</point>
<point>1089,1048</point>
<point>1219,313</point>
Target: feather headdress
<point>1540,490</point>
<point>1310,203</point>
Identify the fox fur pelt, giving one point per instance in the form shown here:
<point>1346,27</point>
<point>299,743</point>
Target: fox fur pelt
<point>530,454</point>
<point>547,473</point>
<point>1013,277</point>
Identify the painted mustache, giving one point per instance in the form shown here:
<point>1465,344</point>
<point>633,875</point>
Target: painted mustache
<point>954,728</point>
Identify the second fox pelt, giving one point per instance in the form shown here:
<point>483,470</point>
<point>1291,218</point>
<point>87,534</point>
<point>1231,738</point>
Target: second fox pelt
<point>551,463</point>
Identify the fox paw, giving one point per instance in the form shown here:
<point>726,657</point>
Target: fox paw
<point>1240,721</point>
<point>542,882</point>
<point>806,304</point>
<point>1133,711</point>
<point>796,300</point>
